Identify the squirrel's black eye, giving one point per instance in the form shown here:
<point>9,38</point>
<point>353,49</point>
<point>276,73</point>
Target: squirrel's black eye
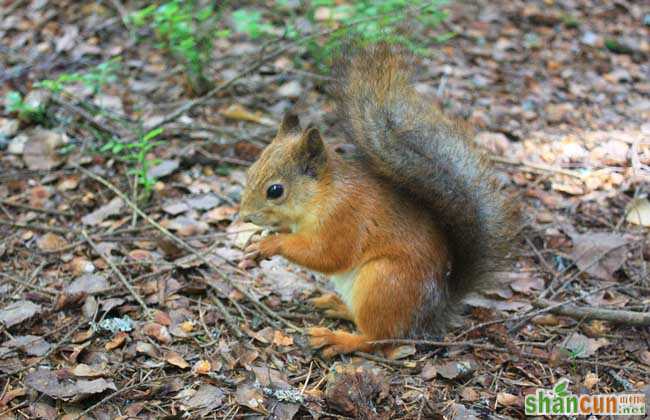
<point>275,191</point>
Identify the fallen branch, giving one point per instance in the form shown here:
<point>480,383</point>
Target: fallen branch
<point>636,319</point>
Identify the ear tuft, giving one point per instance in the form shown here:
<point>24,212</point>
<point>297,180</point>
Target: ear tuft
<point>312,152</point>
<point>290,125</point>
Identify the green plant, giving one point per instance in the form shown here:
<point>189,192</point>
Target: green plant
<point>137,153</point>
<point>94,78</point>
<point>185,30</point>
<point>15,103</point>
<point>250,22</point>
<point>368,22</point>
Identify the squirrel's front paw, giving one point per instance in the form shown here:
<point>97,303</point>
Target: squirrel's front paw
<point>270,246</point>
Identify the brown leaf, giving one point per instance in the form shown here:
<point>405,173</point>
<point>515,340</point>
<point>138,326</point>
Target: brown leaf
<point>401,352</point>
<point>279,339</point>
<point>456,369</point>
<point>84,370</point>
<point>638,212</point>
<point>46,381</point>
<point>508,400</point>
<point>88,283</point>
<point>582,346</point>
<point>51,242</point>
<point>17,312</point>
<point>29,344</point>
<point>176,359</point>
<point>112,208</point>
<point>599,253</point>
<point>116,341</point>
<point>40,153</point>
<point>202,367</point>
<point>238,112</point>
<point>219,214</point>
<point>428,371</point>
<point>250,396</point>
<point>146,348</point>
<point>158,332</point>
<point>207,397</point>
<point>469,394</point>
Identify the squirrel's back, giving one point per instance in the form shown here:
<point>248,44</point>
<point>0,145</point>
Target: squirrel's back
<point>407,141</point>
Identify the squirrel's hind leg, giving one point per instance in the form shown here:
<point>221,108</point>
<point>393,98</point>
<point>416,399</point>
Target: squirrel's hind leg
<point>333,305</point>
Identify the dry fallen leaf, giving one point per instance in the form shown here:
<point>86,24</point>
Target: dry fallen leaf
<point>29,344</point>
<point>590,381</point>
<point>248,395</point>
<point>638,212</point>
<point>88,283</point>
<point>51,242</point>
<point>158,332</point>
<point>582,346</point>
<point>280,339</point>
<point>207,397</point>
<point>112,208</point>
<point>176,359</point>
<point>599,253</point>
<point>17,312</point>
<point>202,367</point>
<point>116,341</point>
<point>84,370</point>
<point>509,400</point>
<point>40,153</point>
<point>46,381</point>
<point>238,112</point>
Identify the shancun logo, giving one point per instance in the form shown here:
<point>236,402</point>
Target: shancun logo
<point>559,401</point>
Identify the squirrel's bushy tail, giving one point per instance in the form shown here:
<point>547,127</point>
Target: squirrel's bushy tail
<point>408,141</point>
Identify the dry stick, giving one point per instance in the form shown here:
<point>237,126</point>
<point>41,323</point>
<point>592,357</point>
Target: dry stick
<point>118,273</point>
<point>189,248</point>
<point>36,209</point>
<point>43,228</point>
<point>535,166</point>
<point>637,319</point>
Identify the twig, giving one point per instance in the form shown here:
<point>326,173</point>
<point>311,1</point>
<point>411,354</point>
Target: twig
<point>191,249</point>
<point>637,319</point>
<point>118,273</point>
<point>36,209</point>
<point>536,166</point>
<point>43,228</point>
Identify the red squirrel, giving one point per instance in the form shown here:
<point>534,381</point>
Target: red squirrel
<point>405,226</point>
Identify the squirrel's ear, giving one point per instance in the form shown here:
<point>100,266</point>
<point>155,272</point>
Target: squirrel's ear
<point>311,153</point>
<point>290,125</point>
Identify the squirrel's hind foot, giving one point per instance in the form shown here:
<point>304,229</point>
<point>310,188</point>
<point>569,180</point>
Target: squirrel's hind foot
<point>337,342</point>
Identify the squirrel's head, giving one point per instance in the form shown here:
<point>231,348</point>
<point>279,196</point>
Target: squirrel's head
<point>283,183</point>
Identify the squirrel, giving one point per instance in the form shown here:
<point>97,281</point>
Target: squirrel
<point>405,225</point>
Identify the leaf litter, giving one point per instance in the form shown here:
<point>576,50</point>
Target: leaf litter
<point>526,75</point>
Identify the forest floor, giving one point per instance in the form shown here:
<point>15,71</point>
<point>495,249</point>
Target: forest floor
<point>117,306</point>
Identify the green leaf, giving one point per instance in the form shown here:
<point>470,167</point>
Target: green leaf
<point>152,134</point>
<point>13,101</point>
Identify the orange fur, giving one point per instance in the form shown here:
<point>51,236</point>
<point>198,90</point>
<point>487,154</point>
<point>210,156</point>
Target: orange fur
<point>356,222</point>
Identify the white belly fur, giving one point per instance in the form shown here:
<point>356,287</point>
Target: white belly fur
<point>343,284</point>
